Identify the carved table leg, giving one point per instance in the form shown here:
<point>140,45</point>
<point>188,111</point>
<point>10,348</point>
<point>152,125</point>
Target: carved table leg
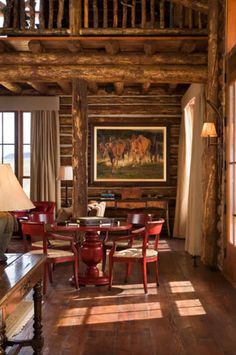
<point>91,254</point>
<point>2,334</point>
<point>37,341</point>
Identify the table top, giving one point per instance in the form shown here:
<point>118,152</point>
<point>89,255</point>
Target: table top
<point>15,269</point>
<point>100,228</point>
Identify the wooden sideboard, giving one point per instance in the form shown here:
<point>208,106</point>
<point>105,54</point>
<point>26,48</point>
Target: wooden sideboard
<point>19,275</point>
<point>140,204</point>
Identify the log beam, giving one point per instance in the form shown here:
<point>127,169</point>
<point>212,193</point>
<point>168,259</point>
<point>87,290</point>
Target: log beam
<point>112,48</point>
<point>101,59</point>
<point>74,46</point>
<point>40,87</point>
<point>119,87</point>
<point>65,87</point>
<point>93,87</point>
<point>36,46</point>
<point>111,73</point>
<point>80,147</point>
<point>197,5</point>
<point>13,87</point>
<point>145,88</point>
<point>150,48</point>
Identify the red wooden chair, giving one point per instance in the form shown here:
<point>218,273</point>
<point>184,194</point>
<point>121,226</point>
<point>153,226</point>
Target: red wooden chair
<point>36,232</point>
<point>137,220</point>
<point>147,254</point>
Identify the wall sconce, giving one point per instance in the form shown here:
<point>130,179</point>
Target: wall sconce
<point>209,131</point>
<point>209,128</point>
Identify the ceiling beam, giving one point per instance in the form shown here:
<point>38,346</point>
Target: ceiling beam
<point>197,5</point>
<point>119,87</point>
<point>13,87</point>
<point>93,87</point>
<point>112,47</point>
<point>145,87</point>
<point>64,58</point>
<point>65,86</point>
<point>40,87</point>
<point>74,46</point>
<point>109,73</point>
<point>36,46</point>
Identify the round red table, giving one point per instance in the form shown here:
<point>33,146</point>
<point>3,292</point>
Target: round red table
<point>91,249</point>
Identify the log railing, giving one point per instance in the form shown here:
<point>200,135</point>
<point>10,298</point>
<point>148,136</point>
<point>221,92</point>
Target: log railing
<point>78,17</point>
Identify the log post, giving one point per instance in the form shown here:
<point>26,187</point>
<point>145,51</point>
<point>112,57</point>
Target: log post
<point>209,223</point>
<point>80,147</point>
<point>75,16</point>
<point>50,17</point>
<point>60,13</point>
<point>32,14</point>
<point>133,18</point>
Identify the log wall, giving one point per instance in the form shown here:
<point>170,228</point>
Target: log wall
<point>150,109</point>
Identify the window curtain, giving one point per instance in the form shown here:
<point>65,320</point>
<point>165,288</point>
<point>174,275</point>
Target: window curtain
<point>44,156</point>
<point>188,213</point>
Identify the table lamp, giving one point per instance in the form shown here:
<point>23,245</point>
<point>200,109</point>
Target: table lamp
<point>12,198</point>
<point>66,174</point>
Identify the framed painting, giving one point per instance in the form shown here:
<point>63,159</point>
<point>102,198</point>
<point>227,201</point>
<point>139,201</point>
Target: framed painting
<point>129,154</point>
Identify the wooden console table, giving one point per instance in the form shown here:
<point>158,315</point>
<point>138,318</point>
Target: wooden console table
<point>143,203</point>
<point>19,275</point>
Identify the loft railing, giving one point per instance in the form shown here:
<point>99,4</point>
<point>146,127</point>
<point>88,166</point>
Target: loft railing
<point>81,17</point>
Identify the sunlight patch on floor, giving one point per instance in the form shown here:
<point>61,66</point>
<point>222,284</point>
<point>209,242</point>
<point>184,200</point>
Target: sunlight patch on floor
<point>181,286</point>
<point>190,307</point>
<point>111,313</point>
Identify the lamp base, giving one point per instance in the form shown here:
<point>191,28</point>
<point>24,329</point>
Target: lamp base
<point>6,230</point>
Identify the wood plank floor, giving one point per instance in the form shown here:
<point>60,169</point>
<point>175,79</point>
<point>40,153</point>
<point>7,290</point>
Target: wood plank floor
<point>192,312</point>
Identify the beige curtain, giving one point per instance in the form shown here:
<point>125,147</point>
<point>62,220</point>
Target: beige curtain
<point>188,214</point>
<point>44,156</point>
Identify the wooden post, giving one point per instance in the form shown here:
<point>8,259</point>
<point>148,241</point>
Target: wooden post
<point>95,14</point>
<point>162,14</point>
<point>75,16</point>
<point>86,14</point>
<point>209,223</point>
<point>105,12</point>
<point>50,17</point>
<point>60,13</point>
<point>32,14</point>
<point>143,15</point>
<point>133,14</point>
<point>80,147</point>
<point>115,13</point>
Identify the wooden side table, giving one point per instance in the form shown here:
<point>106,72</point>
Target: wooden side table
<point>19,275</point>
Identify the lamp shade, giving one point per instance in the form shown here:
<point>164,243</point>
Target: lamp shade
<point>12,196</point>
<point>209,130</point>
<point>65,173</point>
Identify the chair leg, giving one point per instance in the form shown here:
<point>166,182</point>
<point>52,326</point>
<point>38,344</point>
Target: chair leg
<point>76,273</point>
<point>128,271</point>
<point>104,251</point>
<point>156,272</point>
<point>144,267</point>
<point>50,266</point>
<point>110,274</point>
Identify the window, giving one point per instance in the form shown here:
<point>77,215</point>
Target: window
<point>15,144</point>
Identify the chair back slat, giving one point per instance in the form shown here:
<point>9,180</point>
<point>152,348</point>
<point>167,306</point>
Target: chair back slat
<point>152,229</point>
<point>36,232</point>
<point>139,219</point>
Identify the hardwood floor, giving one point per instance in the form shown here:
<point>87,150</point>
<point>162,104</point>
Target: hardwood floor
<point>192,312</point>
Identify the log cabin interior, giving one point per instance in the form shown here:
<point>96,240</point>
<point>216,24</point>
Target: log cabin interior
<point>77,78</point>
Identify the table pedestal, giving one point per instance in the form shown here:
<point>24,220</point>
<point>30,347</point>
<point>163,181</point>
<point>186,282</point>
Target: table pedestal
<point>91,254</point>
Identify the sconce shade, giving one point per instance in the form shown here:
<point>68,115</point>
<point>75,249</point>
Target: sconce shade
<point>209,130</point>
<point>65,173</point>
<point>12,196</point>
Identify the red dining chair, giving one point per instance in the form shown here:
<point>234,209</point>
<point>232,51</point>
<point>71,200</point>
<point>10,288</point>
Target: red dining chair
<point>137,220</point>
<point>36,232</point>
<point>147,254</point>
